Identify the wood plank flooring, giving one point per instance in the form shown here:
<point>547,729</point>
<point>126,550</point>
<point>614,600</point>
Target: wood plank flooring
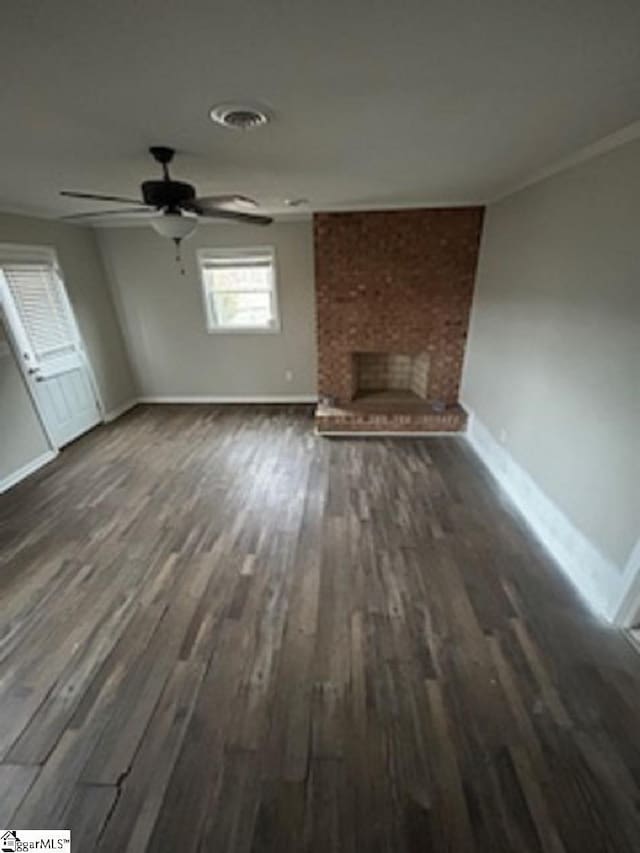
<point>223,633</point>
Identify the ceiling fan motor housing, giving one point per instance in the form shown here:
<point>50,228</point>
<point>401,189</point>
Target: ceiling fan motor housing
<point>167,194</point>
<point>162,154</point>
<point>176,198</point>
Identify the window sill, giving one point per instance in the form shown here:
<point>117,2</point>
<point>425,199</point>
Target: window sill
<point>245,330</point>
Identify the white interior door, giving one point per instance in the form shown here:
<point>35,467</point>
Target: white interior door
<point>46,337</point>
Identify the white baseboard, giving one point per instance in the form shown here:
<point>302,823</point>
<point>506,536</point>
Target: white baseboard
<point>628,610</point>
<point>112,414</point>
<point>346,433</point>
<point>30,468</point>
<point>254,399</point>
<point>600,582</point>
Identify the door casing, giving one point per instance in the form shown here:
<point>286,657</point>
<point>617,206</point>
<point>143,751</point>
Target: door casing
<point>23,253</point>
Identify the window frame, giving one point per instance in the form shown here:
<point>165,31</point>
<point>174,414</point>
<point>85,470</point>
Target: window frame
<point>238,252</point>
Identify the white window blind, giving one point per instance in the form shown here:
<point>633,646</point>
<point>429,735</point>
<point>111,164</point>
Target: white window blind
<point>41,306</point>
<point>239,289</point>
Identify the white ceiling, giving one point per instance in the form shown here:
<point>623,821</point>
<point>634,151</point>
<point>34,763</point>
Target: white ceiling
<point>376,103</point>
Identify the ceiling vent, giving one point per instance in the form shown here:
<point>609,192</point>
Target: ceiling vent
<point>239,116</point>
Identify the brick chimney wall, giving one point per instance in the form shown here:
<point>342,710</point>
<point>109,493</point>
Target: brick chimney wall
<point>395,281</point>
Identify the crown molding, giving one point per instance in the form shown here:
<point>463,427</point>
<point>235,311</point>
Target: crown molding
<point>629,133</point>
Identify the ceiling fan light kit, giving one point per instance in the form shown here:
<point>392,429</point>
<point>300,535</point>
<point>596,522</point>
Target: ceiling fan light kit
<point>173,207</point>
<point>175,226</point>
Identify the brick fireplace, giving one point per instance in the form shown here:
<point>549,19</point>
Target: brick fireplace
<point>393,293</point>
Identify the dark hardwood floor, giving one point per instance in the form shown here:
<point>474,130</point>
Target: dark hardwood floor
<point>222,633</point>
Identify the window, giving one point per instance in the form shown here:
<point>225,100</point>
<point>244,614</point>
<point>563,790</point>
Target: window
<point>239,287</point>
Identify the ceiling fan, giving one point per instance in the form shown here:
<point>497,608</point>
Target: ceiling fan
<point>172,207</point>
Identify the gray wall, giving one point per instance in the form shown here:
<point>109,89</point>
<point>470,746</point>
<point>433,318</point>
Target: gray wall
<point>553,359</point>
<point>163,317</point>
<point>80,260</point>
<point>21,437</point>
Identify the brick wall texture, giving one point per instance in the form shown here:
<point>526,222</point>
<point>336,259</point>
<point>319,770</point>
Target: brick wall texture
<point>395,281</point>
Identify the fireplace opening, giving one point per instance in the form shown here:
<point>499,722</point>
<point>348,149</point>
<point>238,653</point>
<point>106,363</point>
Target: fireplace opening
<point>383,377</point>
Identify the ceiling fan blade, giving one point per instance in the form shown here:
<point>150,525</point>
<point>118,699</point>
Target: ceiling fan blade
<point>123,211</point>
<point>225,200</point>
<point>223,213</point>
<point>98,197</point>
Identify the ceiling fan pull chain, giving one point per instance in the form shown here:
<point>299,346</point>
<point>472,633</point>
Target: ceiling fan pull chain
<point>176,240</point>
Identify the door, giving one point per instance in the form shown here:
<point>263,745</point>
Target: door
<point>47,340</point>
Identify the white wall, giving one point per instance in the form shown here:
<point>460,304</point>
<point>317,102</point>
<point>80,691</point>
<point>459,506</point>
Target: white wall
<point>163,316</point>
<point>552,370</point>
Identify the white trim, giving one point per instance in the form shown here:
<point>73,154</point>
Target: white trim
<point>627,613</point>
<point>391,206</point>
<point>244,330</point>
<point>601,146</point>
<point>112,414</point>
<point>207,398</point>
<point>582,155</point>
<point>26,253</point>
<point>346,433</point>
<point>595,149</point>
<point>26,470</point>
<point>633,635</point>
<point>239,252</point>
<point>599,581</point>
